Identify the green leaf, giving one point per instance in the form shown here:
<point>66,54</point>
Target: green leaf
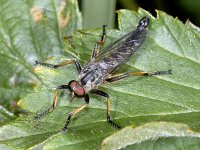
<point>5,116</point>
<point>30,31</point>
<point>155,136</point>
<point>136,100</point>
<point>3,147</point>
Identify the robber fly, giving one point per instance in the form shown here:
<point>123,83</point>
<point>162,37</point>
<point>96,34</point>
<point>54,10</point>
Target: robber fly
<point>100,69</point>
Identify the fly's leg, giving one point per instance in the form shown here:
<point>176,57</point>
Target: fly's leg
<point>101,93</point>
<point>64,63</point>
<point>54,102</point>
<point>64,129</point>
<point>95,51</point>
<point>124,75</point>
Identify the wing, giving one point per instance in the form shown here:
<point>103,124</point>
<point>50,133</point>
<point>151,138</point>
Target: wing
<point>126,45</point>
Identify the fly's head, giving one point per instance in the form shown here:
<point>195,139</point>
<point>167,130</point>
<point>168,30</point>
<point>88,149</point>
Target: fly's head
<point>76,89</point>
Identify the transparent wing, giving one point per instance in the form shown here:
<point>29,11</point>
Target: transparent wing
<point>127,44</point>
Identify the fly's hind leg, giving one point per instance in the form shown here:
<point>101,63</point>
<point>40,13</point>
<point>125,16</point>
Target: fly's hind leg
<point>54,102</point>
<point>64,63</point>
<point>124,75</point>
<point>97,46</point>
<point>101,93</point>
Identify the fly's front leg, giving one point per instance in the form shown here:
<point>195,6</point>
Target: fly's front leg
<point>124,75</point>
<point>54,102</point>
<point>64,63</point>
<point>86,97</point>
<point>95,51</point>
<point>101,93</point>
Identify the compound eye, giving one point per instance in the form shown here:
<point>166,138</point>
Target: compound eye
<point>77,89</point>
<point>73,85</point>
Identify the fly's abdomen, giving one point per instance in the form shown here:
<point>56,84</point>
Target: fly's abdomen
<point>126,50</point>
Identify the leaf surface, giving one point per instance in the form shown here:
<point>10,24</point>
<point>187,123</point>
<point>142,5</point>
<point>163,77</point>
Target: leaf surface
<point>30,31</point>
<point>155,135</point>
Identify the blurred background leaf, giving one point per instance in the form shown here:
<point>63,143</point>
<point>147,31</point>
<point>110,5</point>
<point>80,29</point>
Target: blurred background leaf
<point>96,13</point>
<point>29,31</point>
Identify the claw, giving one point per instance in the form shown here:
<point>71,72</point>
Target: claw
<point>40,115</point>
<point>37,117</point>
<point>63,130</point>
<point>113,124</point>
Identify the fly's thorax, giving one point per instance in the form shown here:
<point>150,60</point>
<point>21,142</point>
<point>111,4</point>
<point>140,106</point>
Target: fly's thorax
<point>92,75</point>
